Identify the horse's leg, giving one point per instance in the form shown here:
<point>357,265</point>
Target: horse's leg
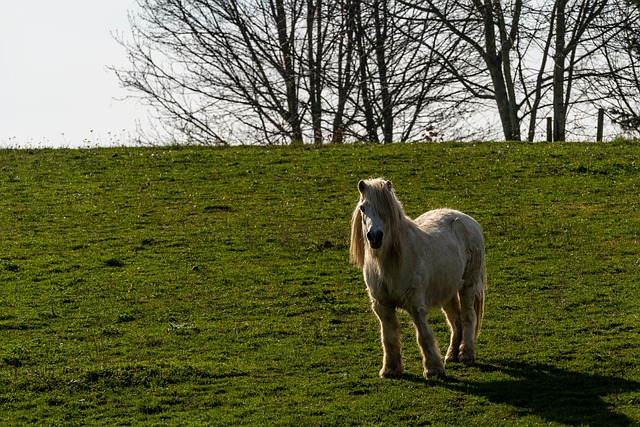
<point>468,318</point>
<point>390,337</point>
<point>428,344</point>
<point>452,311</point>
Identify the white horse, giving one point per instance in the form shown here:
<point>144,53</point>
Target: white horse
<point>436,260</point>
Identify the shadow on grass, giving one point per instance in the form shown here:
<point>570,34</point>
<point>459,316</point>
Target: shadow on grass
<point>554,394</point>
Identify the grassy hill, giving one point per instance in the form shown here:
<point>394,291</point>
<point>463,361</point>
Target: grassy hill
<point>196,286</point>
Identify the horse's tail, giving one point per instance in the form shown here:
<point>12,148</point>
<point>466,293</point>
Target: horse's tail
<point>478,304</point>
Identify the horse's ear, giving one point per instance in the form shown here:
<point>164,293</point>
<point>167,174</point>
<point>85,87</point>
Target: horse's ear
<point>389,185</point>
<point>362,186</point>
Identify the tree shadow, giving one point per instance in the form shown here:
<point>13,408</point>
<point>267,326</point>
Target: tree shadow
<point>554,394</point>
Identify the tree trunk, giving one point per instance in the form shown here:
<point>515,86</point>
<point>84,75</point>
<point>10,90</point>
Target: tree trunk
<point>314,15</point>
<point>537,97</point>
<point>507,108</point>
<point>293,115</point>
<point>344,76</point>
<point>380,8</point>
<point>370,124</point>
<point>559,112</point>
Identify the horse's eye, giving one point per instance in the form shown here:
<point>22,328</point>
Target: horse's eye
<point>361,208</point>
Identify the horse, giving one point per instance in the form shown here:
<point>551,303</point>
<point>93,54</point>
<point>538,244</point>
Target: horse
<point>436,260</point>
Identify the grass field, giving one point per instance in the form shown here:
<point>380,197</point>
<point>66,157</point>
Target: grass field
<point>198,286</point>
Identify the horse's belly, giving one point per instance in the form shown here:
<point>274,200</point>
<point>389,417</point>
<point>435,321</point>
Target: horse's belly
<point>431,285</point>
<point>428,295</point>
<point>440,291</point>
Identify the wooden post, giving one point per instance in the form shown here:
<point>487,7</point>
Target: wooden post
<point>549,129</point>
<point>600,124</point>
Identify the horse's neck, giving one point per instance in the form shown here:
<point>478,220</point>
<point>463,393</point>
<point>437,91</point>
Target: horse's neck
<point>388,261</point>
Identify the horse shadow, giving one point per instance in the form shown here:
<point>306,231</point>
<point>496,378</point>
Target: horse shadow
<point>554,394</point>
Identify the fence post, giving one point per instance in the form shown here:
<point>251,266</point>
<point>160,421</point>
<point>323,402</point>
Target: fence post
<point>600,124</point>
<point>549,129</point>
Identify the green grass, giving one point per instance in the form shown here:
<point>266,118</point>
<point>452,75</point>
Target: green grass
<point>195,286</point>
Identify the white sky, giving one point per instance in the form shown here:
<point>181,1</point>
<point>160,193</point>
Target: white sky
<point>55,89</point>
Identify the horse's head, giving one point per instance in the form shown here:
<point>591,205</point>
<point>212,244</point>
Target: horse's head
<point>376,220</point>
<point>371,210</point>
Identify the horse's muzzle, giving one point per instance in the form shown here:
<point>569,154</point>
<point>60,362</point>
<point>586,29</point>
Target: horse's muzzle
<point>375,239</point>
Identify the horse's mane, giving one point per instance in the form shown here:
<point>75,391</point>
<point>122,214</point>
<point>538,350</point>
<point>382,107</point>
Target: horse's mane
<point>382,197</point>
<point>356,250</point>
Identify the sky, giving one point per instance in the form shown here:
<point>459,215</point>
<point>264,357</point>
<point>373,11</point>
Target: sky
<point>55,88</point>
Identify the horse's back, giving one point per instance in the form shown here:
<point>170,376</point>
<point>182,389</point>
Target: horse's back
<point>449,222</point>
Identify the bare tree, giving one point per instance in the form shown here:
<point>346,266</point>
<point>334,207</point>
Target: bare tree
<point>621,89</point>
<point>485,32</point>
<point>403,89</point>
<point>573,43</point>
<point>218,68</point>
<point>286,71</point>
<point>534,80</point>
<point>528,57</point>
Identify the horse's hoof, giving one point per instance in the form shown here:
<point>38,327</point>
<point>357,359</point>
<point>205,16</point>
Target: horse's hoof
<point>451,358</point>
<point>390,373</point>
<point>468,359</point>
<point>467,355</point>
<point>434,373</point>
